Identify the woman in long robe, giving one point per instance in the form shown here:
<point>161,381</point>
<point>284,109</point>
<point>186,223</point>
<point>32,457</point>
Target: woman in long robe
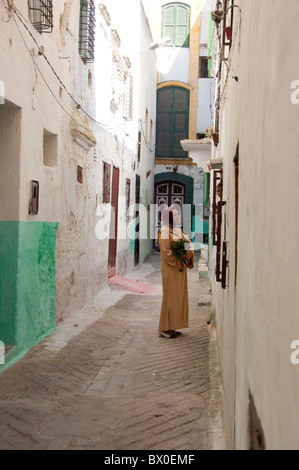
<point>175,308</point>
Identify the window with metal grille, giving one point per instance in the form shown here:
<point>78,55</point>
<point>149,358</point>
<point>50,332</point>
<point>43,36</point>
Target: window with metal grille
<point>87,30</point>
<point>128,103</point>
<point>41,15</point>
<point>203,67</point>
<point>176,23</point>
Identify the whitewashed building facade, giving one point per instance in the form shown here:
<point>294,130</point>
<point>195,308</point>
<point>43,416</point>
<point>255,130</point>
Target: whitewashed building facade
<point>254,260</point>
<point>73,157</point>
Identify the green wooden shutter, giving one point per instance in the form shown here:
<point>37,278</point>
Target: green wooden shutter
<point>164,122</point>
<point>180,120</point>
<point>182,25</point>
<point>168,27</point>
<point>172,121</point>
<point>176,24</point>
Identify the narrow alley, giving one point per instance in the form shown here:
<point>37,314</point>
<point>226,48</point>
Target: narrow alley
<point>105,379</point>
<point>114,113</point>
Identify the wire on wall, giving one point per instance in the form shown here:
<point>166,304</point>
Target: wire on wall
<point>18,14</point>
<point>145,140</point>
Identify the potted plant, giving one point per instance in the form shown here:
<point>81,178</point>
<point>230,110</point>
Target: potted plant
<point>215,137</point>
<point>213,134</point>
<point>209,132</point>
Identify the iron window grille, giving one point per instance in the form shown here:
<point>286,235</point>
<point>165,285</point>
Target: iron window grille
<point>41,15</point>
<point>128,99</point>
<point>87,30</point>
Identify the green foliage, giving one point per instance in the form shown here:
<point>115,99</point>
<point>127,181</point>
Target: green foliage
<point>178,249</point>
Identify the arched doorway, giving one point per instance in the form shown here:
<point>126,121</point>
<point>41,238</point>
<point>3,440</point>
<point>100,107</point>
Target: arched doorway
<point>178,189</point>
<point>168,193</point>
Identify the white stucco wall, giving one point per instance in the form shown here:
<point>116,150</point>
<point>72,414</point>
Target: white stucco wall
<point>133,29</point>
<point>205,104</point>
<point>48,104</point>
<point>207,6</point>
<point>257,321</point>
<point>173,64</point>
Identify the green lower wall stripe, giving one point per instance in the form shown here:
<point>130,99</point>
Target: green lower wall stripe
<point>27,283</point>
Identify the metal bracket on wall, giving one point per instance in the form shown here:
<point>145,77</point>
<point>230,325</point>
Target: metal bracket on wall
<point>34,200</point>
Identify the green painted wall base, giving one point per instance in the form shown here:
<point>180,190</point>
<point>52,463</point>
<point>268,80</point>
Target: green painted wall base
<point>27,285</point>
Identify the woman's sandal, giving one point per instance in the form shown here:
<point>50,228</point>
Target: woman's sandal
<point>167,334</point>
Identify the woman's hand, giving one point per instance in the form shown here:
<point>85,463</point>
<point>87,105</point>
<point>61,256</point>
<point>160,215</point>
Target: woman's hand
<point>188,255</point>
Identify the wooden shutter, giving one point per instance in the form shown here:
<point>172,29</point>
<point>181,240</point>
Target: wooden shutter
<point>181,120</point>
<point>176,24</point>
<point>182,25</point>
<point>172,121</point>
<point>168,21</point>
<point>164,122</point>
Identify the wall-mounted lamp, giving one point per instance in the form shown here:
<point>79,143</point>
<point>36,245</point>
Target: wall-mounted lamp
<point>155,45</point>
<point>162,42</point>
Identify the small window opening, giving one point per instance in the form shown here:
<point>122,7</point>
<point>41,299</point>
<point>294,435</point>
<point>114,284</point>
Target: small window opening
<point>203,67</point>
<point>34,199</point>
<point>50,149</point>
<point>80,174</point>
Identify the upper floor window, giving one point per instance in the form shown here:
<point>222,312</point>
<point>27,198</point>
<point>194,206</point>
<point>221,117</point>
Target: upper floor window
<point>122,80</point>
<point>41,15</point>
<point>176,23</point>
<point>172,121</point>
<point>203,67</point>
<point>87,30</point>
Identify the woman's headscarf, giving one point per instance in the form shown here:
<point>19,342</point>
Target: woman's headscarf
<point>167,216</point>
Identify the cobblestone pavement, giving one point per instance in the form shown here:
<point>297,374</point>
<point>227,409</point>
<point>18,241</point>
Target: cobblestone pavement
<point>105,380</point>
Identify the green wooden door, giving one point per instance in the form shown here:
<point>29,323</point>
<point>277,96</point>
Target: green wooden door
<point>172,121</point>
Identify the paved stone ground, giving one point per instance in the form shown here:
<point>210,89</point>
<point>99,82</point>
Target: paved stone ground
<point>105,380</point>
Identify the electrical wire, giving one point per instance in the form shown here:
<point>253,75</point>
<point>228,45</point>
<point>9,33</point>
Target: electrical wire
<point>46,83</point>
<point>19,15</point>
